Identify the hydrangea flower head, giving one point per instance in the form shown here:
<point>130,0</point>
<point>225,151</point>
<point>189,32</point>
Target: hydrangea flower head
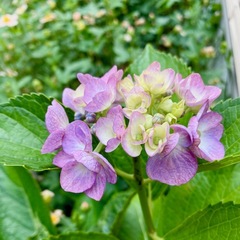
<point>137,113</point>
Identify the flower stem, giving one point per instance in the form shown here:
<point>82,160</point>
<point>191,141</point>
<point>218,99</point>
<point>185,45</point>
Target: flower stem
<point>99,147</point>
<point>124,175</point>
<point>143,199</point>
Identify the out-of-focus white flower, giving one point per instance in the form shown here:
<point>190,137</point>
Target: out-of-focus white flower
<point>76,16</point>
<point>47,195</point>
<point>127,37</point>
<point>51,3</point>
<point>89,19</point>
<point>151,15</point>
<point>10,72</point>
<point>125,24</point>
<point>8,20</point>
<point>101,13</point>
<point>20,10</point>
<point>140,21</point>
<point>48,18</point>
<point>208,51</point>
<point>166,41</point>
<point>56,216</point>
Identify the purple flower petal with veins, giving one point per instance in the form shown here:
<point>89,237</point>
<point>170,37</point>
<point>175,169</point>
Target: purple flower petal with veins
<point>56,123</point>
<point>207,130</point>
<point>110,129</point>
<point>176,164</point>
<point>193,90</point>
<point>85,172</point>
<point>77,137</point>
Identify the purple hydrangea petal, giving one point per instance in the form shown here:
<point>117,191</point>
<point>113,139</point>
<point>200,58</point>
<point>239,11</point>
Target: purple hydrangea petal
<point>104,130</point>
<point>209,148</point>
<point>62,158</point>
<point>109,171</point>
<point>209,120</point>
<point>185,137</point>
<point>56,117</point>
<point>112,144</point>
<point>88,160</point>
<point>176,168</point>
<point>73,99</point>
<point>128,146</point>
<point>53,142</point>
<point>77,137</point>
<point>76,178</point>
<point>97,190</point>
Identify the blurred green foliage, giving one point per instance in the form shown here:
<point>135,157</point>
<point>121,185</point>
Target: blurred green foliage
<point>54,40</point>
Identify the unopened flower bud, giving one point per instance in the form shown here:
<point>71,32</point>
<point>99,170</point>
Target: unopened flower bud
<point>91,117</point>
<point>56,216</point>
<point>79,116</point>
<point>158,118</point>
<point>85,206</point>
<point>47,195</point>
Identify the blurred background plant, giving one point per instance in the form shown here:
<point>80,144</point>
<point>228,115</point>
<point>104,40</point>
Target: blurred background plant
<point>44,44</point>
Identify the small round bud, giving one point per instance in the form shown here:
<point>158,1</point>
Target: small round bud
<point>91,117</point>
<point>79,116</point>
<point>47,195</point>
<point>85,206</point>
<point>158,118</point>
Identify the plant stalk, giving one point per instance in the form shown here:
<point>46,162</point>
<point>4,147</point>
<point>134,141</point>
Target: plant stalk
<point>143,199</point>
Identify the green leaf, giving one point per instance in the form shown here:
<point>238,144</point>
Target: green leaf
<point>204,189</point>
<point>23,213</point>
<point>23,132</point>
<point>150,55</point>
<point>132,225</point>
<point>221,222</point>
<point>113,211</point>
<point>83,236</point>
<point>230,111</point>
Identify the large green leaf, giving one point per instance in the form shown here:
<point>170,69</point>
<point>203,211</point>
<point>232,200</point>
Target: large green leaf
<point>83,236</point>
<point>221,222</point>
<point>230,111</point>
<point>132,225</point>
<point>150,55</point>
<point>23,132</point>
<point>22,211</point>
<point>113,212</point>
<point>205,188</point>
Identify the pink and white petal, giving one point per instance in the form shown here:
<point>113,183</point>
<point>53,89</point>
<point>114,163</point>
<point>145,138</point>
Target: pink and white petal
<point>208,121</point>
<point>174,169</point>
<point>62,158</point>
<point>97,190</point>
<point>56,117</point>
<point>185,137</point>
<point>213,93</point>
<point>112,144</point>
<point>77,137</point>
<point>154,66</point>
<point>101,101</point>
<point>76,178</point>
<point>209,149</point>
<point>104,130</point>
<point>128,146</point>
<point>110,173</point>
<point>88,160</point>
<point>53,142</point>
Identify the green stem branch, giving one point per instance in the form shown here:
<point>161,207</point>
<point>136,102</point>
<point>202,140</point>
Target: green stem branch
<point>124,175</point>
<point>143,199</point>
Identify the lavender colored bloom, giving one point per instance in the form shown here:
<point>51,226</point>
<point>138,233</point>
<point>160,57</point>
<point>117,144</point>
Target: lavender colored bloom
<point>110,129</point>
<point>56,123</point>
<point>82,170</point>
<point>193,91</point>
<point>176,164</point>
<point>94,94</point>
<point>85,172</point>
<point>207,130</point>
